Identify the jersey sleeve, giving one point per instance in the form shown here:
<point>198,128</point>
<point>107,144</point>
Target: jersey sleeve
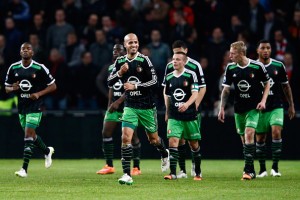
<point>9,80</point>
<point>194,83</point>
<point>151,77</point>
<point>200,76</point>
<point>283,78</point>
<point>113,76</point>
<point>46,76</point>
<point>227,80</point>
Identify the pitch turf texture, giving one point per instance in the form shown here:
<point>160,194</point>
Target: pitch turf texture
<point>77,179</point>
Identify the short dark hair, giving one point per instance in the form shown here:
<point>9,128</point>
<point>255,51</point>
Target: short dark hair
<point>179,44</point>
<point>262,41</point>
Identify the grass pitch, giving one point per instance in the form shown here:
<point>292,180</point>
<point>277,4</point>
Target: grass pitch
<point>77,179</point>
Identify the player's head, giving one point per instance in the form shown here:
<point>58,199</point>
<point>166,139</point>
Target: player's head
<point>263,50</point>
<point>131,43</point>
<point>237,51</point>
<point>118,50</point>
<point>179,46</point>
<point>26,51</point>
<point>179,60</point>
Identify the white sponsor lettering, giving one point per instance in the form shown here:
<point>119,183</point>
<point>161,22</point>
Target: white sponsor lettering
<point>24,95</point>
<point>245,96</point>
<point>117,94</point>
<point>177,104</point>
<point>135,93</point>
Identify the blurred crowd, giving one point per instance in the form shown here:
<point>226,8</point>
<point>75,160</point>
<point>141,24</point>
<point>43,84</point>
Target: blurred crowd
<point>74,39</point>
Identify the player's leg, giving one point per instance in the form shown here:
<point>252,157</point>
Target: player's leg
<point>246,124</point>
<point>181,159</point>
<point>261,153</point>
<point>195,148</point>
<point>110,123</point>
<point>148,119</point>
<point>173,148</point>
<point>136,154</point>
<point>263,127</point>
<point>191,132</point>
<point>129,124</point>
<point>33,122</point>
<point>276,121</point>
<point>276,149</point>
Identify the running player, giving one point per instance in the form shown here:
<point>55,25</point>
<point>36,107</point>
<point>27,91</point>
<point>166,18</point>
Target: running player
<point>30,80</point>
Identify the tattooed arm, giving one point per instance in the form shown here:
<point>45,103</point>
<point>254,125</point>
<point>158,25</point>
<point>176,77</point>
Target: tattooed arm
<point>224,97</point>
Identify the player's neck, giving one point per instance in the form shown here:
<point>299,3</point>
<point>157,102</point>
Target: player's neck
<point>265,62</point>
<point>178,71</point>
<point>26,63</point>
<point>131,56</point>
<point>244,62</point>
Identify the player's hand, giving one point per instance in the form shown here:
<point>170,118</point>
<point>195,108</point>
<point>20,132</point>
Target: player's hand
<point>34,96</point>
<point>113,107</point>
<point>15,86</point>
<point>261,106</point>
<point>291,112</point>
<point>129,86</point>
<point>221,115</point>
<point>166,117</point>
<point>124,68</point>
<point>183,107</point>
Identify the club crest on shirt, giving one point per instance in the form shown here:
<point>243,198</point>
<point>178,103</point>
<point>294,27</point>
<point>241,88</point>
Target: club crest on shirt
<point>33,75</point>
<point>139,69</point>
<point>251,75</point>
<point>185,83</point>
<point>275,72</point>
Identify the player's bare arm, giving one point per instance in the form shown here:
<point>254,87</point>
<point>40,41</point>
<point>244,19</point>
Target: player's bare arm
<point>186,105</point>
<point>262,104</point>
<point>289,97</point>
<point>224,98</point>
<point>48,89</point>
<point>14,87</point>
<point>115,105</point>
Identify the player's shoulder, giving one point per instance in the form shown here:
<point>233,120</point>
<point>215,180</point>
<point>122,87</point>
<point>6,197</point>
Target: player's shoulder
<point>231,66</point>
<point>170,65</point>
<point>120,59</point>
<point>169,76</point>
<point>16,65</point>
<point>255,64</point>
<point>188,73</point>
<point>192,63</point>
<point>276,63</point>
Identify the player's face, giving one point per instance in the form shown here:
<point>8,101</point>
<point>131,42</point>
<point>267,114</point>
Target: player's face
<point>26,51</point>
<point>235,55</point>
<point>178,61</point>
<point>131,44</point>
<point>118,50</point>
<point>264,51</point>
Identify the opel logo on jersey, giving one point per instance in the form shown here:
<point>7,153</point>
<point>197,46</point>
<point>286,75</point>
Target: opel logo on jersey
<point>25,85</point>
<point>133,80</point>
<point>179,94</point>
<point>118,85</point>
<point>243,86</point>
